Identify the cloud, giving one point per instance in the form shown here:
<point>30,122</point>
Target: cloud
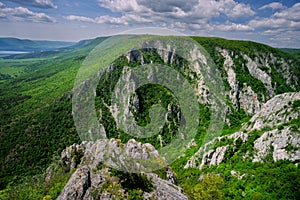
<point>23,14</point>
<point>233,9</point>
<point>189,16</point>
<point>286,19</point>
<point>192,8</point>
<point>292,13</point>
<point>290,37</point>
<point>168,5</point>
<point>121,5</point>
<point>273,6</point>
<point>36,3</point>
<point>282,26</point>
<point>181,14</point>
<point>1,5</point>
<point>234,27</point>
<point>275,23</point>
<point>80,18</point>
<point>105,19</point>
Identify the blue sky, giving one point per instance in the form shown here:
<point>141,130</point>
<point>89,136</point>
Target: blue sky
<point>276,23</point>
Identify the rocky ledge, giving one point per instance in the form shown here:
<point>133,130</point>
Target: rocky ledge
<point>94,180</point>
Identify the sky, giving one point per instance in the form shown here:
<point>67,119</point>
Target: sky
<point>272,22</point>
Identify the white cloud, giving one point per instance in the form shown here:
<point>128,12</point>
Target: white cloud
<point>79,18</point>
<point>111,20</point>
<point>290,37</point>
<point>275,23</point>
<point>200,8</point>
<point>105,19</point>
<point>121,5</point>
<point>233,9</point>
<point>1,5</point>
<point>241,10</point>
<point>36,3</point>
<point>182,14</point>
<point>292,13</point>
<point>234,27</point>
<point>23,14</point>
<point>273,6</point>
<point>286,19</point>
<point>281,28</point>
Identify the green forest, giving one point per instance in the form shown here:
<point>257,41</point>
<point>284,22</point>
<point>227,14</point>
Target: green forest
<point>36,124</point>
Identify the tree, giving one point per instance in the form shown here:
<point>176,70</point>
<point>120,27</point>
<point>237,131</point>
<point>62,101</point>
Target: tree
<point>209,188</point>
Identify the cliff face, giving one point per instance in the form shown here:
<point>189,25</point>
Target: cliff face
<point>93,180</point>
<point>261,86</point>
<point>250,79</point>
<point>262,69</point>
<point>275,129</point>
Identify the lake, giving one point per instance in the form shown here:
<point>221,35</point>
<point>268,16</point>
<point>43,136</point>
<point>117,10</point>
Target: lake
<point>13,52</point>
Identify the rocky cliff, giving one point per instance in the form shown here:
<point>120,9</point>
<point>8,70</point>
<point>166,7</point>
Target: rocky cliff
<point>262,125</point>
<point>259,86</point>
<point>94,180</point>
<point>275,129</point>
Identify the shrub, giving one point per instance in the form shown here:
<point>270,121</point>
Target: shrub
<point>209,188</point>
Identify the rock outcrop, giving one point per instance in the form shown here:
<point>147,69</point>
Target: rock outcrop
<point>281,144</point>
<point>276,111</point>
<point>261,67</point>
<point>78,185</point>
<point>94,180</point>
<point>256,95</point>
<point>278,135</point>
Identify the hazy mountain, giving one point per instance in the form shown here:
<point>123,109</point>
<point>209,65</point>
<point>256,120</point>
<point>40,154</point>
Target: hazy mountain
<point>15,44</point>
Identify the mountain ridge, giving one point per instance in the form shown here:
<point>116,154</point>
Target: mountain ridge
<point>16,44</point>
<point>253,74</point>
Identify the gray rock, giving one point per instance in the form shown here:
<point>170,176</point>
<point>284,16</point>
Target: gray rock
<point>171,177</point>
<point>88,177</point>
<point>135,55</point>
<point>256,72</point>
<point>241,97</point>
<point>273,113</point>
<point>218,155</point>
<point>77,186</point>
<point>275,142</point>
<point>72,155</point>
<point>164,189</point>
<point>237,174</point>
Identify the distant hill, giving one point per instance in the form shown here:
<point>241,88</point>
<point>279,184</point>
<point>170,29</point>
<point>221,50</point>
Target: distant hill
<point>15,44</point>
<point>294,52</point>
<point>83,45</point>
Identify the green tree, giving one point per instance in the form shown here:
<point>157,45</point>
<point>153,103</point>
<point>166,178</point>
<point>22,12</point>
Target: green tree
<point>209,188</point>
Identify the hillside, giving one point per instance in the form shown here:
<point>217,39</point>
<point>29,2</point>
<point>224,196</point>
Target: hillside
<point>255,156</point>
<point>15,44</point>
<point>294,52</point>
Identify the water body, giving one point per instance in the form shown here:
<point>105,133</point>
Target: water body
<point>13,52</point>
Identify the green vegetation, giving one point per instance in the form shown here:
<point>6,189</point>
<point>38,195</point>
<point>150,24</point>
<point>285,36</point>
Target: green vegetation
<point>296,104</point>
<point>148,96</point>
<point>294,52</point>
<point>39,186</point>
<point>133,181</point>
<point>35,116</point>
<point>36,123</point>
<point>252,49</point>
<point>209,188</point>
<point>269,180</point>
<point>277,80</point>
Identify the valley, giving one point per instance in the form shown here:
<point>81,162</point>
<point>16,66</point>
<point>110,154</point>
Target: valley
<point>256,156</point>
